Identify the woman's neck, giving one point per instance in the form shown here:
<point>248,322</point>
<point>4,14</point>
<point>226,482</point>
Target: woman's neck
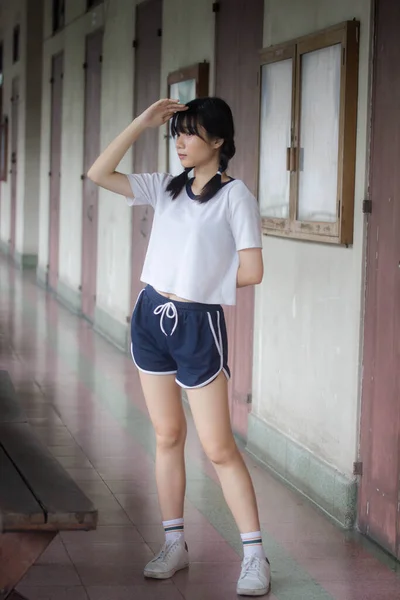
<point>202,176</point>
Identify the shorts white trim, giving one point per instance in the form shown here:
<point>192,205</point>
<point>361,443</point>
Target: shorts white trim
<point>150,372</point>
<point>219,345</point>
<point>196,387</point>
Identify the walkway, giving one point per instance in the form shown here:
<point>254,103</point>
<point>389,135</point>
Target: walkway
<point>82,396</point>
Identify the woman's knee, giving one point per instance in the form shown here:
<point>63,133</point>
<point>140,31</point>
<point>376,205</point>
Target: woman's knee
<point>221,453</point>
<point>169,438</point>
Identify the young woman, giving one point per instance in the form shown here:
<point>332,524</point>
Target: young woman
<point>205,242</point>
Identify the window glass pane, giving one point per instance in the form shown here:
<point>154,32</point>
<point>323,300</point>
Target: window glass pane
<point>276,116</point>
<point>183,91</point>
<point>319,134</point>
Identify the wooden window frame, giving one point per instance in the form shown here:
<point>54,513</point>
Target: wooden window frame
<point>200,72</point>
<point>3,148</point>
<point>340,231</point>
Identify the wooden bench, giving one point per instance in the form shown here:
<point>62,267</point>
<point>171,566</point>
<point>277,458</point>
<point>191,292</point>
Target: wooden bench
<point>37,497</point>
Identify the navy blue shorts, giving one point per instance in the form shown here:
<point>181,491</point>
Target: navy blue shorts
<point>182,338</point>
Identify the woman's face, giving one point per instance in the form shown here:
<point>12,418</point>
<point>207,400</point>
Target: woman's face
<point>195,151</point>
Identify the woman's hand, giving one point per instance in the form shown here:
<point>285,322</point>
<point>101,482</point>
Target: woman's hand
<point>159,113</point>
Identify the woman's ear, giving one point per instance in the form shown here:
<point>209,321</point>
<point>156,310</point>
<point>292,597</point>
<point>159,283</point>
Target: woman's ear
<point>218,142</point>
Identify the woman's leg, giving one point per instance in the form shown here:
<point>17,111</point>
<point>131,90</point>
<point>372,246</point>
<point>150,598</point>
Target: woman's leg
<point>163,399</point>
<point>210,410</point>
<point>164,403</point>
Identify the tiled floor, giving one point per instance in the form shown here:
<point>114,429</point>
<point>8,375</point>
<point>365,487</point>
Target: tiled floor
<point>82,397</point>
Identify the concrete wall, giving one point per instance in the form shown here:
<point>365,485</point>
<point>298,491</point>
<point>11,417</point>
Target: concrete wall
<point>52,45</point>
<point>114,241</point>
<point>5,35</point>
<point>71,41</point>
<point>117,19</point>
<point>308,309</point>
<point>34,62</point>
<point>29,71</point>
<point>13,14</point>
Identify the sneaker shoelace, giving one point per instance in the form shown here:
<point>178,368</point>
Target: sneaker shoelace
<point>251,566</point>
<point>163,554</point>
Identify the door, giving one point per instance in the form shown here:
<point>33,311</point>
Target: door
<point>239,37</point>
<point>94,43</point>
<point>147,91</point>
<point>55,167</point>
<point>14,164</point>
<point>380,422</point>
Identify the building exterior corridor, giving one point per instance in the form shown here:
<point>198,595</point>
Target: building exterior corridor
<point>82,397</point>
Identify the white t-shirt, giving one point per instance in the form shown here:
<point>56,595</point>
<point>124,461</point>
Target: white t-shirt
<point>193,247</point>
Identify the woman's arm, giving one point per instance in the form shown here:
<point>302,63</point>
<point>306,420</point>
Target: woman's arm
<point>103,172</point>
<point>251,267</point>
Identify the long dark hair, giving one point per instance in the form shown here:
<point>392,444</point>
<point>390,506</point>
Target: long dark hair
<point>215,116</point>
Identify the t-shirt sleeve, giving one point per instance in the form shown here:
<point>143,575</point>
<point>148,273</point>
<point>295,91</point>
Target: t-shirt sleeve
<point>147,188</point>
<point>245,218</point>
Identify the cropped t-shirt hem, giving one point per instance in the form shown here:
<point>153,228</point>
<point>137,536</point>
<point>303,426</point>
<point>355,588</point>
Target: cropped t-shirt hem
<point>165,289</point>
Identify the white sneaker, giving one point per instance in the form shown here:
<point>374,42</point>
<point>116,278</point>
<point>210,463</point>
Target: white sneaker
<point>255,577</point>
<point>171,558</point>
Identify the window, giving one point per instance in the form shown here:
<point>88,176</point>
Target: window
<point>185,85</point>
<point>58,15</point>
<point>16,39</point>
<point>308,114</point>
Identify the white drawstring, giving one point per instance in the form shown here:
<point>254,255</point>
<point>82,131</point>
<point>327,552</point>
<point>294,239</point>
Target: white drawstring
<point>167,310</point>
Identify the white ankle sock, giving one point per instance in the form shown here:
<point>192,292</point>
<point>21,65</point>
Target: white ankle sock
<point>252,544</point>
<point>174,530</point>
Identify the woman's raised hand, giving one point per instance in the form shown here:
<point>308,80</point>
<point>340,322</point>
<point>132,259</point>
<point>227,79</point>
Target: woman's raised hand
<point>160,112</point>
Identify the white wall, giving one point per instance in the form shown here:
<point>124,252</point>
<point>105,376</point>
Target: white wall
<point>52,45</point>
<point>5,34</point>
<point>28,69</point>
<point>114,240</point>
<point>72,41</point>
<point>113,275</point>
<point>11,15</point>
<point>308,309</point>
<point>33,96</point>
